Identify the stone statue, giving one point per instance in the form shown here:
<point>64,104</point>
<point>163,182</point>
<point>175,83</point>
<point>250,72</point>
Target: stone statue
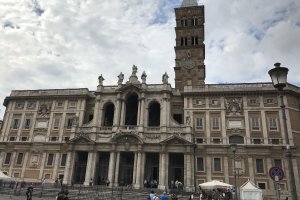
<point>121,78</point>
<point>134,70</point>
<point>143,77</point>
<point>165,78</point>
<point>101,79</point>
<point>188,119</point>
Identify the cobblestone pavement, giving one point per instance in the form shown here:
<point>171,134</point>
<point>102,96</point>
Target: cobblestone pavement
<point>12,197</point>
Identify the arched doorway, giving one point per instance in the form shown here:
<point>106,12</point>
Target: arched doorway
<point>154,114</point>
<point>131,110</point>
<point>109,110</point>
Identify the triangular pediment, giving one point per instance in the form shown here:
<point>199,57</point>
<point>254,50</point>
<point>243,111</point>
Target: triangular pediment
<point>130,86</point>
<point>81,138</point>
<point>176,140</point>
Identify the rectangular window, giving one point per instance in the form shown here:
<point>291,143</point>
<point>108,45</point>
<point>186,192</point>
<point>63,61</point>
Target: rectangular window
<point>194,22</point>
<point>215,102</point>
<point>255,123</point>
<point>257,141</point>
<point>216,140</point>
<point>217,165</point>
<point>199,123</point>
<point>24,138</point>
<point>16,123</point>
<point>183,22</point>
<point>194,40</point>
<point>253,101</point>
<point>199,140</point>
<point>278,163</point>
<point>69,121</point>
<point>184,41</point>
<point>56,123</point>
<point>27,124</point>
<point>72,104</point>
<point>200,164</point>
<point>53,138</point>
<point>272,124</point>
<point>259,166</point>
<point>262,185</point>
<point>7,158</point>
<point>63,160</point>
<point>198,102</point>
<point>50,159</point>
<point>20,159</point>
<point>215,123</point>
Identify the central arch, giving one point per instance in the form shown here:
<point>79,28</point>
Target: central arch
<point>131,110</point>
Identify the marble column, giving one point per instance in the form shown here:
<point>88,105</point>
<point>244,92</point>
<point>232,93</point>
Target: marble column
<point>189,187</point>
<point>111,169</point>
<point>44,155</point>
<point>56,165</point>
<point>90,168</point>
<point>122,120</point>
<point>141,123</point>
<point>162,172</point>
<point>138,178</point>
<point>264,126</point>
<point>134,169</point>
<point>251,169</point>
<point>68,168</point>
<point>117,112</point>
<point>117,167</point>
<point>96,112</point>
<point>24,165</point>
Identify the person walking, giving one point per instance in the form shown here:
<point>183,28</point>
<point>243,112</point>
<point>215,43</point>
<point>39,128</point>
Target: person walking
<point>29,192</point>
<point>164,196</point>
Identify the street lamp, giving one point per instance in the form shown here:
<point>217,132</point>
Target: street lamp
<point>279,80</point>
<point>233,149</point>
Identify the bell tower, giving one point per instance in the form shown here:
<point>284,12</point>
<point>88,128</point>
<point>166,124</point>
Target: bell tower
<point>190,49</point>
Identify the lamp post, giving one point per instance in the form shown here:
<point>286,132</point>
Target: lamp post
<point>233,149</point>
<point>279,80</point>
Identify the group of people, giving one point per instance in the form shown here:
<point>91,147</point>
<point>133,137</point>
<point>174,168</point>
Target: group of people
<point>163,196</point>
<point>176,185</point>
<point>150,184</point>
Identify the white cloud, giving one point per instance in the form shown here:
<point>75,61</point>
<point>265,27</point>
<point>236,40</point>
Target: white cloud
<point>67,44</point>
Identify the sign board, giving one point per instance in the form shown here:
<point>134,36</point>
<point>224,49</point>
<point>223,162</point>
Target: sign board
<point>276,173</point>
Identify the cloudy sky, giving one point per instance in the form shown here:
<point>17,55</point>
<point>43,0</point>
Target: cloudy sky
<point>69,43</point>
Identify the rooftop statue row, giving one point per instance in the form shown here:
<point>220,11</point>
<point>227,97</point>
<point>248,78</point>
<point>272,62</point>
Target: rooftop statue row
<point>133,77</point>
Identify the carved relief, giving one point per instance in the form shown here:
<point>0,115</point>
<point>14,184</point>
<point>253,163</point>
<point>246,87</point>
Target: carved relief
<point>34,160</point>
<point>44,110</point>
<point>234,106</point>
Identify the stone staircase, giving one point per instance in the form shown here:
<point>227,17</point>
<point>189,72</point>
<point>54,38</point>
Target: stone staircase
<point>85,193</point>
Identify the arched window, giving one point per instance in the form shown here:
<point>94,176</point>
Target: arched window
<point>109,114</point>
<point>131,110</point>
<point>154,114</point>
<point>236,139</point>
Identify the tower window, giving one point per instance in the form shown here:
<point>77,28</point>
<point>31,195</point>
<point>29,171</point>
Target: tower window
<point>183,22</point>
<point>195,40</point>
<point>184,41</point>
<point>194,22</point>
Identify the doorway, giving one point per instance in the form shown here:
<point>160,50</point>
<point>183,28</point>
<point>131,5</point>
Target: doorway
<point>126,168</point>
<point>176,168</point>
<point>80,167</point>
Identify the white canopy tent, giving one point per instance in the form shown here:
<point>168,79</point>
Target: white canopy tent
<point>249,191</point>
<point>4,176</point>
<point>214,185</point>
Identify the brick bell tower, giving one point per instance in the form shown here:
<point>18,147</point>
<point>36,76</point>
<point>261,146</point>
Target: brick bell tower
<point>190,49</point>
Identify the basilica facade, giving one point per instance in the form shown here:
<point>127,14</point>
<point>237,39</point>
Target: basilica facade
<point>134,131</point>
